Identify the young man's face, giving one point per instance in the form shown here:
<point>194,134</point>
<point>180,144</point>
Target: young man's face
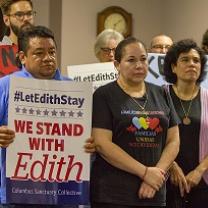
<point>21,15</point>
<point>40,59</point>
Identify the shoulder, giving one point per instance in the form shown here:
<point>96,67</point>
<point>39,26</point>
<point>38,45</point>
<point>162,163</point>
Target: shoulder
<point>203,89</point>
<point>204,93</point>
<point>106,92</point>
<point>59,76</point>
<point>154,88</point>
<point>4,81</point>
<point>106,88</point>
<point>66,78</point>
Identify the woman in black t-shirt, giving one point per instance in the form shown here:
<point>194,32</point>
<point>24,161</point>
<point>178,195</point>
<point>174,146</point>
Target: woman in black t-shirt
<point>136,135</point>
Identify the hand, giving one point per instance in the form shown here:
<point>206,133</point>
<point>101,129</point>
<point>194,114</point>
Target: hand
<point>6,136</point>
<point>146,191</point>
<point>178,178</point>
<point>193,178</point>
<point>90,145</point>
<point>154,177</point>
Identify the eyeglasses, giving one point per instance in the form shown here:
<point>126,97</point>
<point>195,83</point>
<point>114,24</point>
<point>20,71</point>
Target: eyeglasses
<point>20,15</point>
<point>108,50</point>
<point>159,46</point>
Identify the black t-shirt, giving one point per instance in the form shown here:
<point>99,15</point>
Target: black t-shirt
<point>188,157</point>
<point>141,134</point>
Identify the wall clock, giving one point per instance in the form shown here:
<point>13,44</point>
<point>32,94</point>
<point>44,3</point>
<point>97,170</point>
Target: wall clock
<point>115,18</point>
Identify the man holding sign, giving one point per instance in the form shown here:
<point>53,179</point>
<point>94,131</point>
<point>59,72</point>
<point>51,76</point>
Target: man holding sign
<point>37,56</point>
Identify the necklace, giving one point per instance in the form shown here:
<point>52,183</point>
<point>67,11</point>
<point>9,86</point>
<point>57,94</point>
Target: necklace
<point>186,119</point>
<point>141,106</point>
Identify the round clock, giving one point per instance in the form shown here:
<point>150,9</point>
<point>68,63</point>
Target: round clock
<point>115,18</point>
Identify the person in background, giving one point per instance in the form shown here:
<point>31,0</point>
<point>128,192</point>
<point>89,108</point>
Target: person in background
<point>17,15</point>
<point>38,58</point>
<point>135,133</point>
<point>105,45</point>
<point>184,68</point>
<point>160,44</point>
<point>205,42</point>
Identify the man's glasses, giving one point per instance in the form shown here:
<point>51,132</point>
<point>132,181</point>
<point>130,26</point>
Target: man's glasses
<point>160,46</point>
<point>108,50</point>
<point>20,15</point>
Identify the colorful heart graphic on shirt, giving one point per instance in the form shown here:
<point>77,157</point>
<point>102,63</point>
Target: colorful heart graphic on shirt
<point>135,121</point>
<point>140,123</point>
<point>153,123</point>
<point>143,123</point>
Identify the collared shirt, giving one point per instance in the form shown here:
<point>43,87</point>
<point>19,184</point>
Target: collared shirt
<point>4,98</point>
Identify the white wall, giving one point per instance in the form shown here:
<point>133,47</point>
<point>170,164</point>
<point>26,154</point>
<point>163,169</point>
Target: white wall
<point>79,18</point>
<point>186,18</point>
<point>177,18</point>
<point>43,14</point>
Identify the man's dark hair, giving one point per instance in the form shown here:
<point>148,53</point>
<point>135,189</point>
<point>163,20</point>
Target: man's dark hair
<point>32,32</point>
<point>6,5</point>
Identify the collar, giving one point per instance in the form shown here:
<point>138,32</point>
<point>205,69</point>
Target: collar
<point>57,75</point>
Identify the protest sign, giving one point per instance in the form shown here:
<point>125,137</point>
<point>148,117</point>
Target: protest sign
<point>97,73</point>
<point>47,164</point>
<point>7,59</point>
<point>103,73</point>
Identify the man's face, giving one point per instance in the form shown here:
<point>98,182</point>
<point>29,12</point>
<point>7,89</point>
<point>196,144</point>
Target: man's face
<point>20,16</point>
<point>40,59</point>
<point>160,44</point>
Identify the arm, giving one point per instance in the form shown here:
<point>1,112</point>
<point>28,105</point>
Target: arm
<point>171,149</point>
<point>168,155</point>
<point>177,178</point>
<point>117,157</point>
<point>6,135</point>
<point>89,145</point>
<point>194,177</point>
<point>146,191</point>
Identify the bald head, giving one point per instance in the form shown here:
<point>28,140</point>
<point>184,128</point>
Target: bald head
<point>160,44</point>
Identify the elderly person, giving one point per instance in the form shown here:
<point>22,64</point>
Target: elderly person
<point>105,45</point>
<point>160,44</point>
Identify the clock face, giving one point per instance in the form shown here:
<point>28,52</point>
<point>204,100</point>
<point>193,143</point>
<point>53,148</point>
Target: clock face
<point>116,22</point>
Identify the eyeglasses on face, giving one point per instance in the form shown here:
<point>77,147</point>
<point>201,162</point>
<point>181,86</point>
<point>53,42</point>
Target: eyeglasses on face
<point>108,50</point>
<point>21,15</point>
<point>160,46</point>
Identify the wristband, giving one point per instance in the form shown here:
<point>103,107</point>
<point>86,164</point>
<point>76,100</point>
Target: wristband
<point>145,173</point>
